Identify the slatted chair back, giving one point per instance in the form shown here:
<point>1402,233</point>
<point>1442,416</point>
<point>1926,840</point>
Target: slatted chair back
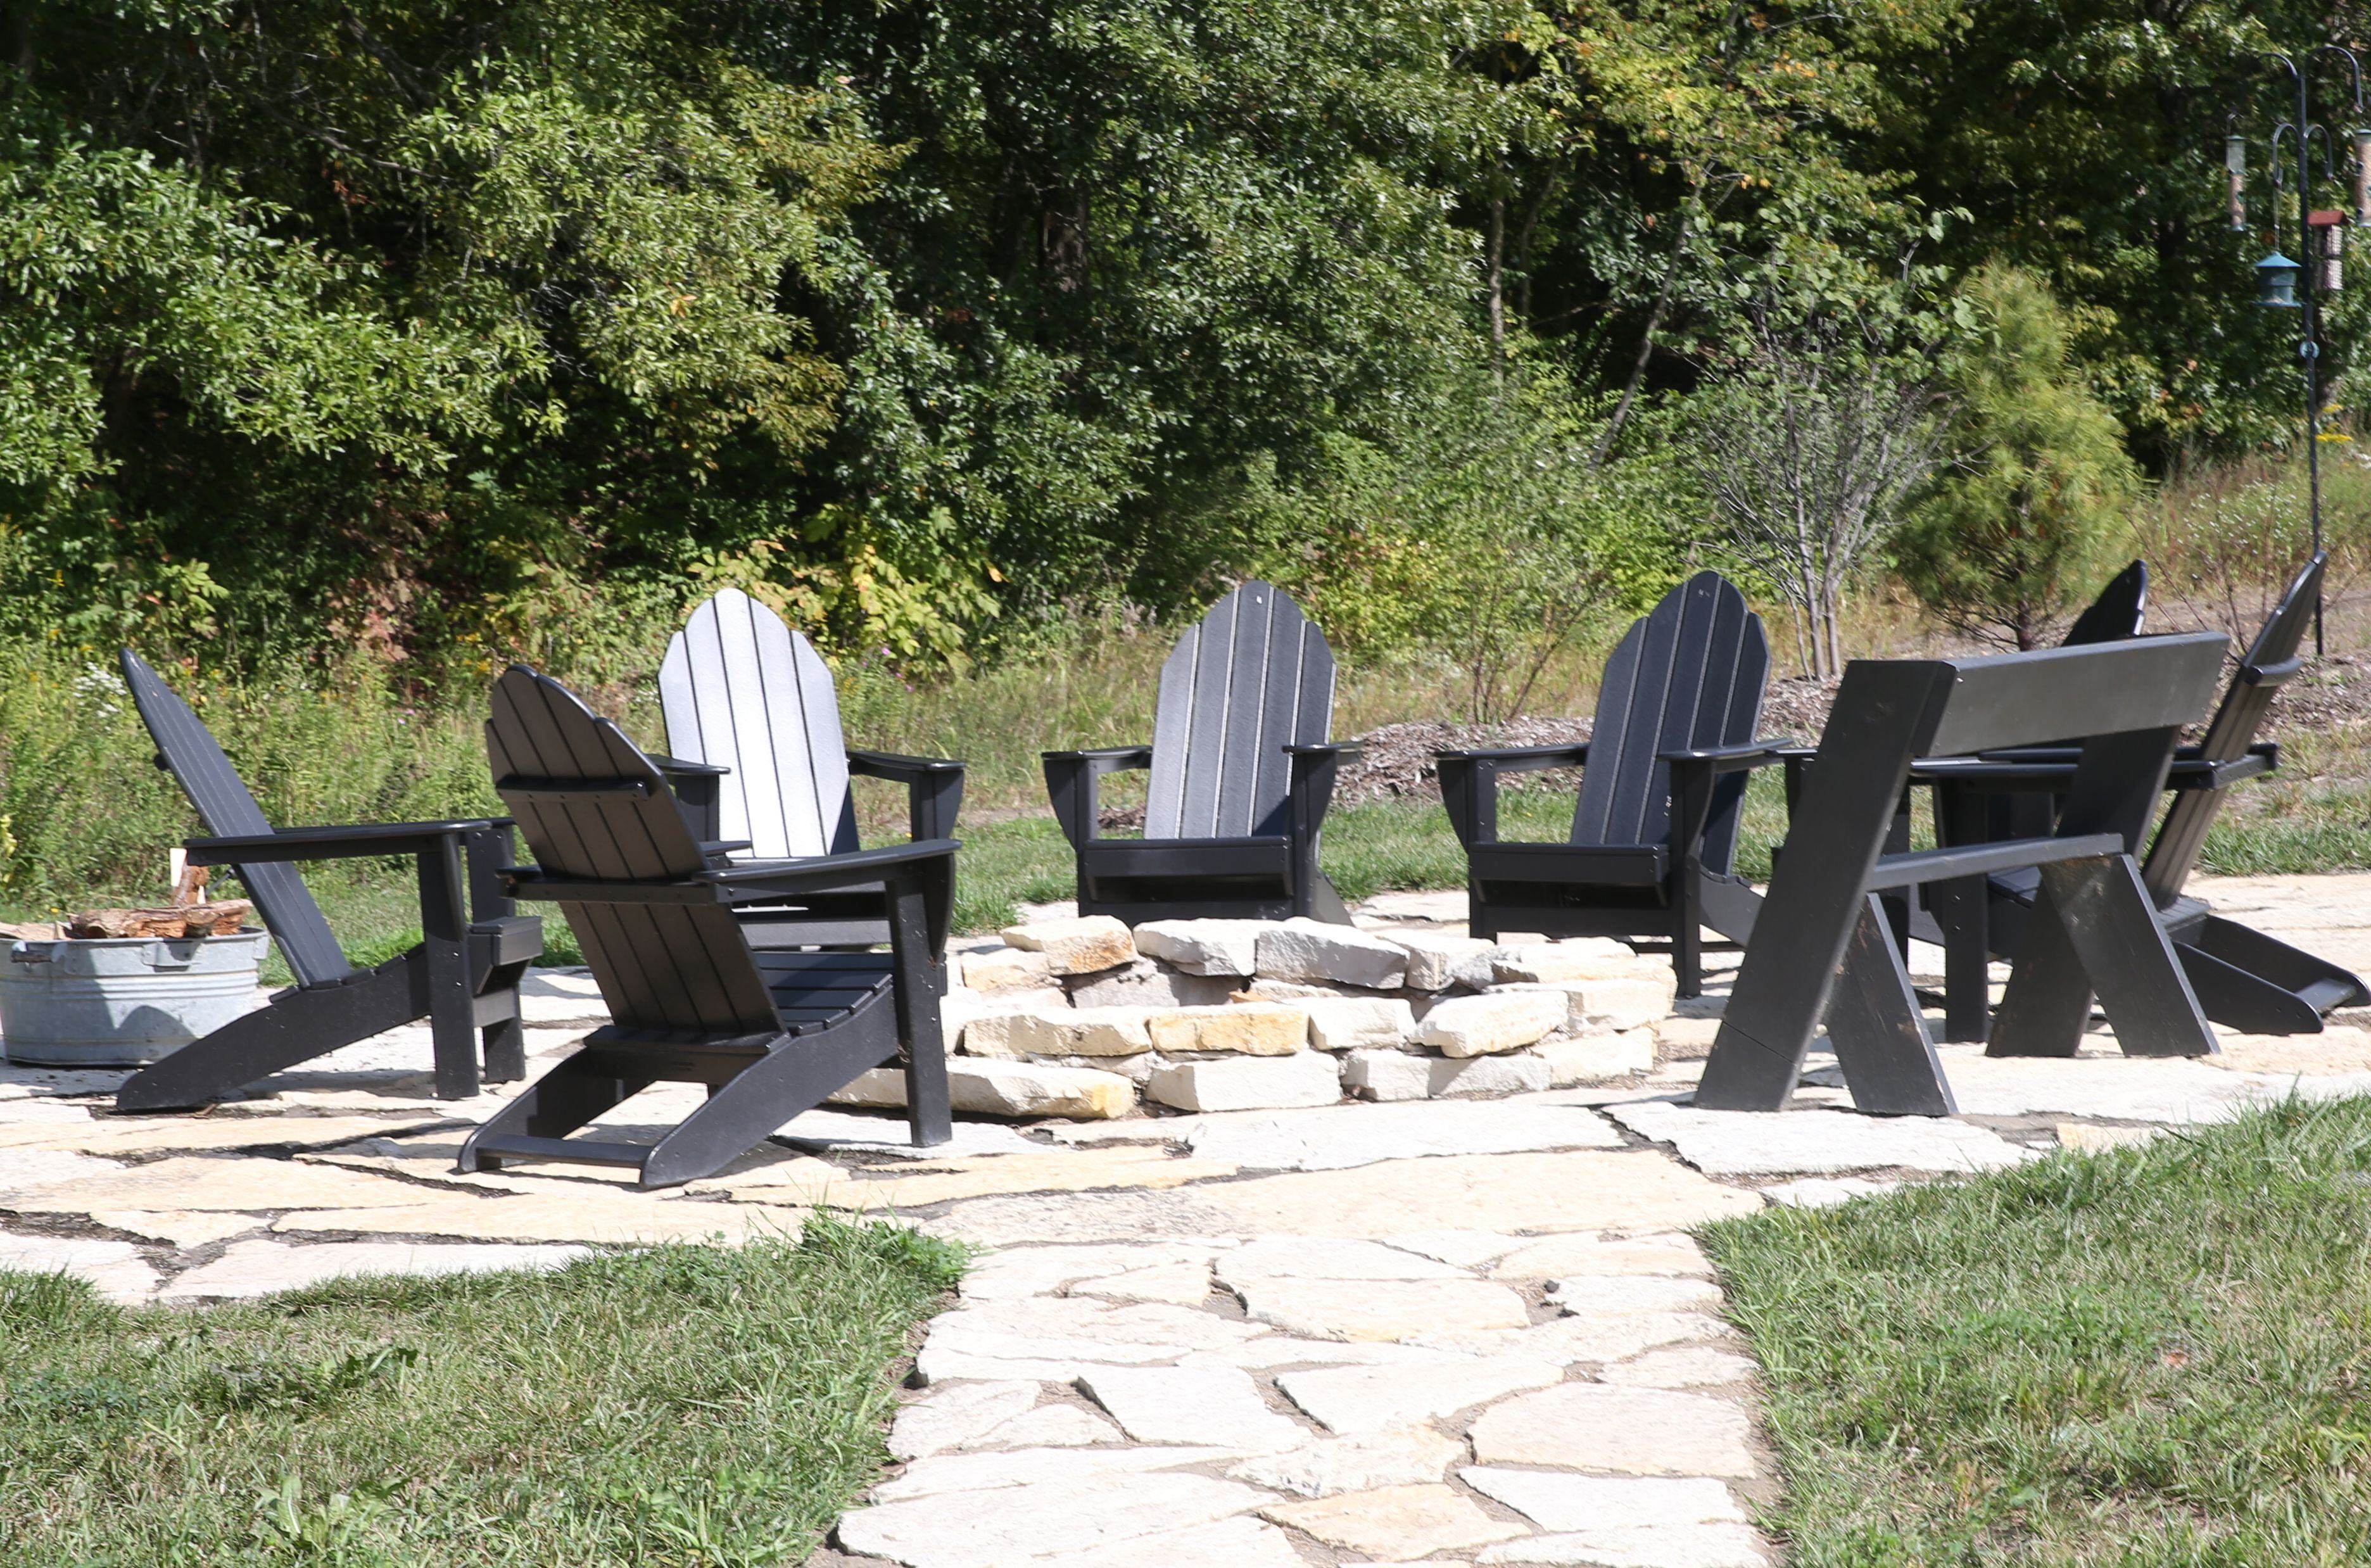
<point>593,808</point>
<point>1687,675</point>
<point>185,747</point>
<point>2116,613</point>
<point>1253,678</point>
<point>2270,661</point>
<point>742,690</point>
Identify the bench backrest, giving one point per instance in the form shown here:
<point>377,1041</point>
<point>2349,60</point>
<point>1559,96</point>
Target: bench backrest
<point>1688,673</point>
<point>741,690</point>
<point>593,808</point>
<point>186,747</point>
<point>1253,678</point>
<point>2269,663</point>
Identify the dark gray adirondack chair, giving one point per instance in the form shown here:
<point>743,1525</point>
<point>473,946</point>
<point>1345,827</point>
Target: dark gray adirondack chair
<point>753,722</point>
<point>1241,775</point>
<point>1654,834</point>
<point>770,1033</point>
<point>463,978</point>
<point>1823,949</point>
<point>2244,979</point>
<point>2116,613</point>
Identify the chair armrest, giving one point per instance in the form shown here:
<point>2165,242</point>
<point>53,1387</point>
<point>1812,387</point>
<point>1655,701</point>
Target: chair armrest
<point>934,788</point>
<point>334,843</point>
<point>1309,792</point>
<point>1725,759</point>
<point>699,790</point>
<point>674,764</point>
<point>1071,778</point>
<point>1521,759</point>
<point>1327,748</point>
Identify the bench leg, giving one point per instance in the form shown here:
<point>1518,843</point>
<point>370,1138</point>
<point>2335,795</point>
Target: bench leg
<point>1879,1036</point>
<point>2113,926</point>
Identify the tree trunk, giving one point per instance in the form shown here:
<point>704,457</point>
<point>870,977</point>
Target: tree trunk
<point>1645,340</point>
<point>1498,287</point>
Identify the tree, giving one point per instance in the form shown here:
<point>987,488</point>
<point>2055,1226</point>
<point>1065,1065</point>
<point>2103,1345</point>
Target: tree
<point>1810,442</point>
<point>2037,473</point>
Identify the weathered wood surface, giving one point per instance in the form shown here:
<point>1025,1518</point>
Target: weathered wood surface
<point>221,919</point>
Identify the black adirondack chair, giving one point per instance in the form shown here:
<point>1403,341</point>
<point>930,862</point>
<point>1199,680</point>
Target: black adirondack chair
<point>2116,613</point>
<point>1241,775</point>
<point>1654,834</point>
<point>770,1033</point>
<point>2244,979</point>
<point>463,978</point>
<point>753,722</point>
<point>1823,949</point>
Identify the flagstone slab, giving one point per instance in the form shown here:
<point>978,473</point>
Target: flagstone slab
<point>1749,1143</point>
<point>1407,1456</point>
<point>1460,1248</point>
<point>1180,1213</point>
<point>1014,1524</point>
<point>150,1134</point>
<point>1324,1257</point>
<point>2085,1138</point>
<point>1584,1189</point>
<point>1398,1521</point>
<point>1050,1427</point>
<point>264,1268</point>
<point>1043,1271</point>
<point>1569,1342</point>
<point>1273,1351</point>
<point>25,1110</point>
<point>1585,1296</point>
<point>1630,1431</point>
<point>1645,1546</point>
<point>1372,1399</point>
<point>1185,1285</point>
<point>1696,1367</point>
<point>2107,1088</point>
<point>1205,1404</point>
<point>1342,1137</point>
<point>591,1214</point>
<point>202,1181</point>
<point>829,1131</point>
<point>1824,1191</point>
<point>1230,1543</point>
<point>1383,1309</point>
<point>115,1269</point>
<point>33,1169</point>
<point>940,1475</point>
<point>183,1228</point>
<point>1557,1501</point>
<point>949,1417</point>
<point>1563,1257</point>
<point>1040,1171</point>
<point>1059,1335</point>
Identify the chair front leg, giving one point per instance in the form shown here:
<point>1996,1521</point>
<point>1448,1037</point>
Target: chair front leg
<point>918,946</point>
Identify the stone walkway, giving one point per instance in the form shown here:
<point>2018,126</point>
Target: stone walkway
<point>1446,1330</point>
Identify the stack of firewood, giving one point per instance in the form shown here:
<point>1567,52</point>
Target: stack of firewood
<point>189,915</point>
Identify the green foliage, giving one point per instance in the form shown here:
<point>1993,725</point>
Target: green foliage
<point>2037,477</point>
<point>1486,535</point>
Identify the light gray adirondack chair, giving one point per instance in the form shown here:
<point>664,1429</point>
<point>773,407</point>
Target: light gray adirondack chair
<point>762,766</point>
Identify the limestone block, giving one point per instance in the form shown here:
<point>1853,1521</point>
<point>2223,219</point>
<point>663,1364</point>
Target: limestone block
<point>1602,1007</point>
<point>1060,1031</point>
<point>1265,989</point>
<point>938,1475</point>
<point>1306,949</point>
<point>1375,1399</point>
<point>1007,969</point>
<point>1185,1285</point>
<point>1049,1427</point>
<point>1597,1502</point>
<point>1398,1523</point>
<point>1388,1075</point>
<point>1744,1143</point>
<point>1571,1341</point>
<point>1602,1294</point>
<point>1565,1257</point>
<point>952,1416</point>
<point>989,1086</point>
<point>962,1010</point>
<point>1252,1029</point>
<point>1352,1023</point>
<point>1438,960</point>
<point>1520,1072</point>
<point>1324,1257</point>
<point>1010,1524</point>
<point>1696,1366</point>
<point>1597,1058</point>
<point>1626,1431</point>
<point>1576,958</point>
<point>1145,984</point>
<point>1407,1456</point>
<point>1204,947</point>
<point>1080,945</point>
<point>1306,1078</point>
<point>1496,1021</point>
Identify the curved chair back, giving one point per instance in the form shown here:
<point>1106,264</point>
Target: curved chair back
<point>1688,673</point>
<point>2116,613</point>
<point>741,690</point>
<point>1253,678</point>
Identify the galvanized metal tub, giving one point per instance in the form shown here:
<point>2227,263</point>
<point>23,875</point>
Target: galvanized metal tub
<point>123,1001</point>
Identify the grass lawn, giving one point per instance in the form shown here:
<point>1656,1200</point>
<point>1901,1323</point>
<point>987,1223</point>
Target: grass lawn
<point>679,1405</point>
<point>2153,1357</point>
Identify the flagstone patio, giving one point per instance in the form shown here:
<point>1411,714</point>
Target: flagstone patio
<point>1441,1330</point>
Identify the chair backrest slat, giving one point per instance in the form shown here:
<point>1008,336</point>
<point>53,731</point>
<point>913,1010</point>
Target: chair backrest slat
<point>740,689</point>
<point>2116,613</point>
<point>1253,678</point>
<point>1688,673</point>
<point>2232,731</point>
<point>660,966</point>
<point>228,809</point>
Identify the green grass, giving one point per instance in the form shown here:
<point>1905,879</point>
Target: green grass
<point>2145,1358</point>
<point>679,1405</point>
